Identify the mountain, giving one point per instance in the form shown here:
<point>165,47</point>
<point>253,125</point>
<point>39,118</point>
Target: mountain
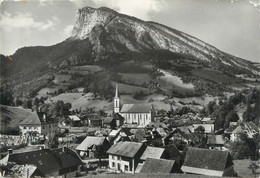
<point>105,37</point>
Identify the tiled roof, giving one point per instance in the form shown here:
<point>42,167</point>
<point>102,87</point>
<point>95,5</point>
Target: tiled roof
<point>48,161</point>
<point>152,152</point>
<point>215,140</point>
<point>89,141</point>
<point>37,118</point>
<point>206,159</point>
<point>108,120</point>
<point>136,108</point>
<point>127,149</point>
<point>152,165</point>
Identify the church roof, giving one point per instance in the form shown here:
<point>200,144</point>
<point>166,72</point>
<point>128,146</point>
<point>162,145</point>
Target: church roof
<point>136,108</point>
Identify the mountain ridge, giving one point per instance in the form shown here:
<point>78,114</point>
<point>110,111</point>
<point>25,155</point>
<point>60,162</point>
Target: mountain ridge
<point>105,37</point>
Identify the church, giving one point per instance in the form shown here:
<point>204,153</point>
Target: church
<point>134,114</point>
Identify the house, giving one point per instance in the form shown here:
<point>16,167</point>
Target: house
<point>119,119</point>
<point>248,128</point>
<point>49,163</point>
<point>89,145</point>
<point>153,165</point>
<point>208,126</point>
<point>208,162</point>
<point>136,114</point>
<point>119,135</point>
<point>177,134</point>
<point>109,122</point>
<point>94,120</point>
<point>125,156</point>
<point>38,124</point>
<point>215,142</point>
<point>75,120</point>
<point>141,135</point>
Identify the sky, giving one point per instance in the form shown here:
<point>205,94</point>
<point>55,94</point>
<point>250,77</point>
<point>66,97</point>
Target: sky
<point>232,26</point>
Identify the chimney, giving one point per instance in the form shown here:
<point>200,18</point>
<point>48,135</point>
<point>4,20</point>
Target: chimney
<point>10,151</point>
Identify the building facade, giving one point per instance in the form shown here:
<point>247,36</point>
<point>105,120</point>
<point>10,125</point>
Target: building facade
<point>134,114</point>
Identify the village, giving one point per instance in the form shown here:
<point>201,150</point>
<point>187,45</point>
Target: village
<point>134,139</point>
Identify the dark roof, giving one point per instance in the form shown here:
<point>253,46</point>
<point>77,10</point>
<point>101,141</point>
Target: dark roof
<point>231,129</point>
<point>117,116</point>
<point>37,118</point>
<point>48,161</point>
<point>140,135</point>
<point>136,108</point>
<point>172,151</point>
<point>152,165</point>
<point>207,159</point>
<point>108,120</point>
<point>127,149</point>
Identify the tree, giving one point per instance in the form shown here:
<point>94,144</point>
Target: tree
<point>253,166</point>
<point>231,117</point>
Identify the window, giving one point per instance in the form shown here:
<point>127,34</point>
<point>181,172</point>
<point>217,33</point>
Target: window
<point>35,128</point>
<point>119,158</point>
<point>24,127</point>
<point>118,166</point>
<point>30,128</point>
<point>113,157</point>
<point>126,167</point>
<point>113,164</point>
<point>42,127</point>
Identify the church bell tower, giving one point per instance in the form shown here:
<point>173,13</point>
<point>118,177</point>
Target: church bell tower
<point>116,101</point>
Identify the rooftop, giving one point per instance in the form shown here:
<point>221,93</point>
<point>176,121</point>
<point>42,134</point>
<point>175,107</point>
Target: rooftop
<point>152,152</point>
<point>48,161</point>
<point>152,165</point>
<point>127,149</point>
<point>136,108</point>
<point>89,141</point>
<point>205,159</point>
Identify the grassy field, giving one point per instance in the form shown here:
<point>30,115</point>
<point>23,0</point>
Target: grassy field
<point>13,115</point>
<point>90,68</point>
<point>241,167</point>
<point>59,78</point>
<point>214,75</point>
<point>81,101</point>
<point>168,82</point>
<point>47,90</point>
<point>137,79</point>
<point>125,88</point>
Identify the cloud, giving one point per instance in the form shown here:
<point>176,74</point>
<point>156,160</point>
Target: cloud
<point>142,9</point>
<point>25,20</point>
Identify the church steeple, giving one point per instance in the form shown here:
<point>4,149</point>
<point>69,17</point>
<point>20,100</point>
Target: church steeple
<point>116,101</point>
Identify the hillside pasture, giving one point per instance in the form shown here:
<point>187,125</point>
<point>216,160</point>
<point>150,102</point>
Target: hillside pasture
<point>136,79</point>
<point>130,89</point>
<point>169,82</point>
<point>213,75</point>
<point>59,78</point>
<point>44,92</point>
<point>82,101</point>
<point>90,68</point>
